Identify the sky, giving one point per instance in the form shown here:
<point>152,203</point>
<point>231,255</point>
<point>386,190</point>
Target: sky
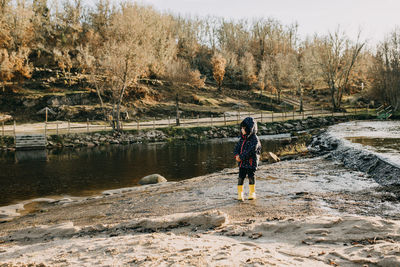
<point>375,18</point>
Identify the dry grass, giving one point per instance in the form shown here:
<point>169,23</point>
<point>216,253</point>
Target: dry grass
<point>292,150</point>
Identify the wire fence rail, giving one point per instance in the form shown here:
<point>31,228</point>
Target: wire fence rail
<point>228,118</point>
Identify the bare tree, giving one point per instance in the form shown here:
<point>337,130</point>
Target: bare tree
<point>123,58</point>
<point>302,70</point>
<point>248,69</point>
<point>5,27</point>
<point>234,37</point>
<point>386,71</point>
<point>186,32</point>
<point>274,70</point>
<point>336,57</point>
<point>6,67</point>
<point>218,63</point>
<point>64,62</point>
<point>179,73</point>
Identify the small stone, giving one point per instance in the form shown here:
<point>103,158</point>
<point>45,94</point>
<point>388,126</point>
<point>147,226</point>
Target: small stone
<point>90,144</point>
<point>152,179</point>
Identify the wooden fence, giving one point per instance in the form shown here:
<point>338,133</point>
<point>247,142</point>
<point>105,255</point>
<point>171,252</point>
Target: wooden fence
<point>228,118</point>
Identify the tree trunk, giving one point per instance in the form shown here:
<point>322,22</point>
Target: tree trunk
<point>119,108</point>
<point>300,90</point>
<point>101,102</point>
<point>177,110</point>
<point>118,116</point>
<point>279,96</point>
<point>113,117</point>
<point>334,100</point>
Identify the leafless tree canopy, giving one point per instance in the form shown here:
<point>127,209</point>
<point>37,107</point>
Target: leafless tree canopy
<point>114,45</point>
<point>385,71</point>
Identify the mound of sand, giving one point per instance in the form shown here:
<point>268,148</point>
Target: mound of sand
<point>202,220</point>
<point>314,241</point>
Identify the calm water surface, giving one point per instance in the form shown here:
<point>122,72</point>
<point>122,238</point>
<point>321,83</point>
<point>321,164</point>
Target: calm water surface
<point>87,171</point>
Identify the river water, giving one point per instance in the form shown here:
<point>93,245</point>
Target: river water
<point>87,171</point>
<point>378,137</point>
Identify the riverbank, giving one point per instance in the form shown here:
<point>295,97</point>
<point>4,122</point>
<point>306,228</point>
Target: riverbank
<point>176,134</point>
<point>309,212</point>
<point>381,163</point>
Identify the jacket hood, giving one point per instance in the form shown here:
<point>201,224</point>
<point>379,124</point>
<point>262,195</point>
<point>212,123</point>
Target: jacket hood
<point>250,125</point>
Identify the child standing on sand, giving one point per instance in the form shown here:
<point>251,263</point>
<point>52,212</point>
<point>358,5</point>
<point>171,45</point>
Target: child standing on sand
<point>247,152</point>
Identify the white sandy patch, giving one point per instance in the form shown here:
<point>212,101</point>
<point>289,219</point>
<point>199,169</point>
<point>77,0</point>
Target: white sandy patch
<point>315,241</point>
<point>9,212</point>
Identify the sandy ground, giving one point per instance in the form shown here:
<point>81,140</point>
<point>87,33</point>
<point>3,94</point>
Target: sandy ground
<point>309,212</point>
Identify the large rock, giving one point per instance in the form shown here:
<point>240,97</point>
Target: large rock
<point>30,103</point>
<point>152,179</point>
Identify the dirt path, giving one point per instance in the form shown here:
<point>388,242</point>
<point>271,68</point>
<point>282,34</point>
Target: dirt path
<point>230,118</point>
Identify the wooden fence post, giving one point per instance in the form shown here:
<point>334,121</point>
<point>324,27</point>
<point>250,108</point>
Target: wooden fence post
<point>87,124</point>
<point>45,128</point>
<point>15,128</point>
<point>284,112</point>
<point>272,117</point>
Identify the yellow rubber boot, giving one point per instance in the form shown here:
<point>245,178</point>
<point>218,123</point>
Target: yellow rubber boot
<point>252,189</point>
<point>240,193</point>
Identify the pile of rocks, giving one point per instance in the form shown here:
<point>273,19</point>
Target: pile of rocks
<point>96,139</point>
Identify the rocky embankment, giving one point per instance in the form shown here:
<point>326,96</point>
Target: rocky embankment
<point>172,134</point>
<point>355,157</point>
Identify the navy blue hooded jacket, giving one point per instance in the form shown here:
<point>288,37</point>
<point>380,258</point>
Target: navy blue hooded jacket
<point>249,147</point>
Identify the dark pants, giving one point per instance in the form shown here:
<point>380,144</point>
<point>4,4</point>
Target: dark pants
<point>242,175</point>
